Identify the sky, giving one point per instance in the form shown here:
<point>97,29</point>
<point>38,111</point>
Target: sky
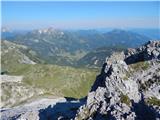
<point>83,15</point>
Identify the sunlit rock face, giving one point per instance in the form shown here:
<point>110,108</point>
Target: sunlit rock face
<point>127,88</point>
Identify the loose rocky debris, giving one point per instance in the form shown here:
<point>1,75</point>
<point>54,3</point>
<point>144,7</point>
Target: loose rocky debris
<point>43,109</point>
<point>9,78</point>
<point>16,93</point>
<point>26,60</point>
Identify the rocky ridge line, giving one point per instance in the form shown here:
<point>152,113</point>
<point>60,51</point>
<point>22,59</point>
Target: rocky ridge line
<point>127,88</point>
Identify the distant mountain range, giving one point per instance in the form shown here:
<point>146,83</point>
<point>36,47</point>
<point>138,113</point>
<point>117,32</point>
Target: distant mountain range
<point>64,47</point>
<point>152,33</point>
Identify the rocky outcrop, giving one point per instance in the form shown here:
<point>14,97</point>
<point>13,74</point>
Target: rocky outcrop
<point>127,88</point>
<point>149,51</point>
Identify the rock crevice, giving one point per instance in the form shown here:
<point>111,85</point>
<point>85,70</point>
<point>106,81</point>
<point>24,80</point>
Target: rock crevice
<point>127,80</point>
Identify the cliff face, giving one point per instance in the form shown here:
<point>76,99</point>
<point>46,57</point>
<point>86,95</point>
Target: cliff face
<point>127,88</point>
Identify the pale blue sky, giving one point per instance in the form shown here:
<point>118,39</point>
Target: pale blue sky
<point>31,15</point>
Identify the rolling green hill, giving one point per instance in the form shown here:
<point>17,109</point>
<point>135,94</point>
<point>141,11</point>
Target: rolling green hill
<point>52,80</point>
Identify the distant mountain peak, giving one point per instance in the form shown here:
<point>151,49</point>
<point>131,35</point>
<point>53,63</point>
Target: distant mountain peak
<point>121,31</point>
<point>49,30</point>
<point>5,29</point>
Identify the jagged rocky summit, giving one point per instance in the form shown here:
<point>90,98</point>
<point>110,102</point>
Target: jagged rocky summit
<point>128,87</point>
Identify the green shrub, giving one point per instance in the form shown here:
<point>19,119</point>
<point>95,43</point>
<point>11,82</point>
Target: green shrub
<point>140,66</point>
<point>125,99</point>
<point>153,101</point>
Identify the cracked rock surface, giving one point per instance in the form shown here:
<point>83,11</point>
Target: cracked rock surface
<point>128,87</point>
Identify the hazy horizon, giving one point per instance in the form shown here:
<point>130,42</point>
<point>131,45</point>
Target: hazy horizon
<point>80,15</point>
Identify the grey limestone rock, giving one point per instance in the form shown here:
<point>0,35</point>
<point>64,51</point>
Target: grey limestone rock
<point>127,80</point>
